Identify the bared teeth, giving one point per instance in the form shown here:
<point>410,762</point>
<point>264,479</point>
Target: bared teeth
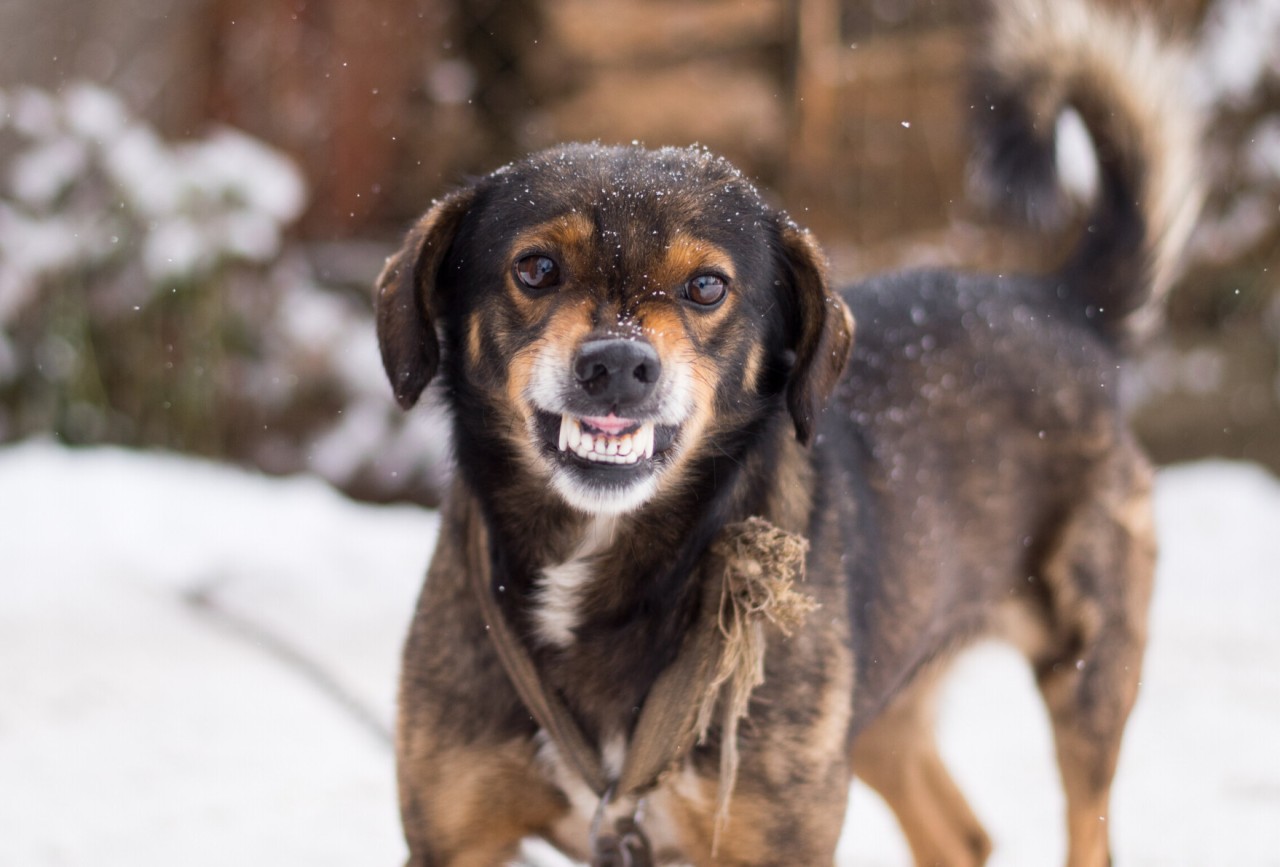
<point>642,441</point>
<point>600,447</point>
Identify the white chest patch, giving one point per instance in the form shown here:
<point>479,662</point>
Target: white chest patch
<point>559,595</point>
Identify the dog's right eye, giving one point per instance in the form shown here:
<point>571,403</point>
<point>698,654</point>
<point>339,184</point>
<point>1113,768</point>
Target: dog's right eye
<point>538,272</point>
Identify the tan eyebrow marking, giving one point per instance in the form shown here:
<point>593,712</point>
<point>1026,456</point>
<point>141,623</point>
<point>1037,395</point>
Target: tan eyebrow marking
<point>686,255</point>
<point>565,232</point>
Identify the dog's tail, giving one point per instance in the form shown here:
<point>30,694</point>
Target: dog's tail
<point>1128,87</point>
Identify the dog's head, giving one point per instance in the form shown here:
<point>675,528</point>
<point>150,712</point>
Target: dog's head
<point>609,315</point>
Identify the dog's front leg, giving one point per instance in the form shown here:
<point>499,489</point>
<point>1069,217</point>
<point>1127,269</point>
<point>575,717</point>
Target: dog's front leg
<point>470,787</point>
<point>471,806</point>
<point>788,805</point>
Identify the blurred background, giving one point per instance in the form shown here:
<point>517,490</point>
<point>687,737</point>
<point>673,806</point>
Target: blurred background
<point>195,195</point>
<point>198,662</point>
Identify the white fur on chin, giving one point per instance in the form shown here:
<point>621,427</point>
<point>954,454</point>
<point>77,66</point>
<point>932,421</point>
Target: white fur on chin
<point>615,500</point>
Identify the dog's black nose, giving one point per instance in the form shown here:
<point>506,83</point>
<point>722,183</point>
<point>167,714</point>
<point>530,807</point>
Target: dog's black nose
<point>618,372</point>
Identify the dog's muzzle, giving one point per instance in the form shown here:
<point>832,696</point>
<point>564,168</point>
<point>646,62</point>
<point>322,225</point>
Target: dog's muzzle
<point>614,380</point>
<point>610,425</point>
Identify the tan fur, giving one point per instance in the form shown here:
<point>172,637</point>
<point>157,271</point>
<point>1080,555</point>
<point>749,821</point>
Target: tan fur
<point>751,372</point>
<point>569,232</point>
<point>897,756</point>
<point>475,342</point>
<point>491,802</point>
<point>685,255</point>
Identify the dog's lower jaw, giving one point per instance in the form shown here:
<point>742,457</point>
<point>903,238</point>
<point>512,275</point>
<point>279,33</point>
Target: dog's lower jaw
<point>604,483</point>
<point>603,499</point>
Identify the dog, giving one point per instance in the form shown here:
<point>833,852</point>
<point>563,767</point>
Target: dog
<point>637,350</point>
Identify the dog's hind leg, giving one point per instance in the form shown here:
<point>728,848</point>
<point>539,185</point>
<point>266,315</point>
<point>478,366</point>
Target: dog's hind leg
<point>1098,578</point>
<point>898,757</point>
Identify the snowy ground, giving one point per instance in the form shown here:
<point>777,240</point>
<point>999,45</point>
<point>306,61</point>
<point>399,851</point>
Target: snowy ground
<point>195,663</point>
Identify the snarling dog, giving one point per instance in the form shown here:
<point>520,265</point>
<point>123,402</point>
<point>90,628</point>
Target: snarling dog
<point>636,351</point>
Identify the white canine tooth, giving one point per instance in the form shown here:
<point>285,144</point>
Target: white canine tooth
<point>648,444</point>
<point>575,433</point>
<point>565,424</point>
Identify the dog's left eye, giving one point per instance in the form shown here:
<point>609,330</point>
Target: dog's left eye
<point>706,290</point>
<point>538,272</point>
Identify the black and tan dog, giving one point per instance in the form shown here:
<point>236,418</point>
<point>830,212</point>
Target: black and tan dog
<point>636,350</point>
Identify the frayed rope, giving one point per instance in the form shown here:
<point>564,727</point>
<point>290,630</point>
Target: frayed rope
<point>760,563</point>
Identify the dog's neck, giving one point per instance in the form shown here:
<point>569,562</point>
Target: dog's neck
<point>602,602</point>
<point>573,574</point>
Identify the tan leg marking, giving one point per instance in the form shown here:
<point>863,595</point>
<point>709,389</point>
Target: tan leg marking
<point>898,757</point>
<point>471,808</point>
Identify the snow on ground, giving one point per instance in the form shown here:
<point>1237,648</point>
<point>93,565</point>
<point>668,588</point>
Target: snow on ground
<point>197,666</point>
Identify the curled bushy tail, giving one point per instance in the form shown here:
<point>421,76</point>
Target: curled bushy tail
<point>1129,88</point>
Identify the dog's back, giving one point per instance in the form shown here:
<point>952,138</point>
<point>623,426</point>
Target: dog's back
<point>1000,489</point>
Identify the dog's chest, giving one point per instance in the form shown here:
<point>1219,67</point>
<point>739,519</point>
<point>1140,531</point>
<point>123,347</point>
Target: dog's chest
<point>557,602</point>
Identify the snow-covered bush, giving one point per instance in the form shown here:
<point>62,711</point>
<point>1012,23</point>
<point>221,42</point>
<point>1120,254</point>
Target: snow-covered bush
<point>148,296</point>
<point>90,187</point>
<point>120,256</point>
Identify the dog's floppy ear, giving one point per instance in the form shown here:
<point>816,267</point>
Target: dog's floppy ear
<point>822,334</point>
<point>405,303</point>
